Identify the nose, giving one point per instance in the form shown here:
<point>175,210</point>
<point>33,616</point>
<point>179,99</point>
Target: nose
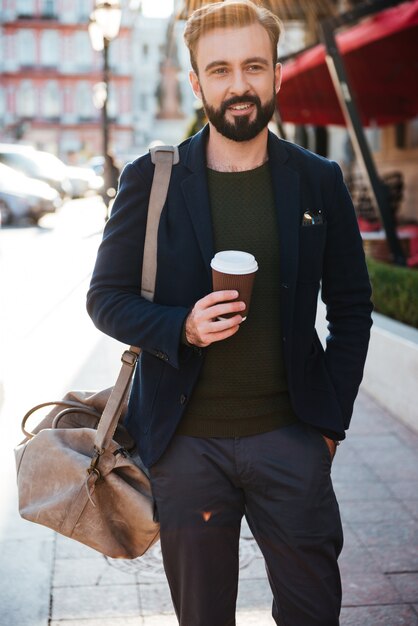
<point>239,84</point>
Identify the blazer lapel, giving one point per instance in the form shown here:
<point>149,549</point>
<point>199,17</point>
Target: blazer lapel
<point>196,196</point>
<point>287,197</point>
<point>286,186</point>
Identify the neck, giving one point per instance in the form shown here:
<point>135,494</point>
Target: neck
<point>226,155</point>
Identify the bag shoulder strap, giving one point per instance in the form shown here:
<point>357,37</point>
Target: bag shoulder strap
<point>164,157</point>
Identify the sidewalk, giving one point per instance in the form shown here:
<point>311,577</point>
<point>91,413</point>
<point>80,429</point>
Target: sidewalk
<point>49,580</point>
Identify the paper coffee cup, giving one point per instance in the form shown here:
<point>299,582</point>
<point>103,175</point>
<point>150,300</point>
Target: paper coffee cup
<point>234,269</point>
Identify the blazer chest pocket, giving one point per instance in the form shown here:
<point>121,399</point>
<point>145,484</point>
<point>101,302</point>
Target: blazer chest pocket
<point>311,252</point>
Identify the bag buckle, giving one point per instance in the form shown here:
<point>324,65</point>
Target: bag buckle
<point>92,469</point>
<point>130,358</point>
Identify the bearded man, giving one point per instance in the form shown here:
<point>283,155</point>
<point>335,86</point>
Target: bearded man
<point>240,417</point>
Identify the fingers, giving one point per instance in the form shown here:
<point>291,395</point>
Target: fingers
<point>202,325</point>
<point>332,446</point>
<point>216,297</point>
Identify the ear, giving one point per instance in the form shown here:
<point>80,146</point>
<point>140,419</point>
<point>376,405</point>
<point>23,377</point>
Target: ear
<point>194,81</point>
<point>277,77</point>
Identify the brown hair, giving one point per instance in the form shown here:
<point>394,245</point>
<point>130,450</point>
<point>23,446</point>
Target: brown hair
<point>232,13</point>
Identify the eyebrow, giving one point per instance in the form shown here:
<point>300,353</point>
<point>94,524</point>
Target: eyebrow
<point>260,60</point>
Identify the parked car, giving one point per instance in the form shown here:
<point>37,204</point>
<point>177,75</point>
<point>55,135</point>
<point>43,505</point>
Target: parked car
<point>24,197</point>
<point>83,180</point>
<point>96,163</point>
<point>37,164</point>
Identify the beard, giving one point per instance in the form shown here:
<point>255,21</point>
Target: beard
<point>241,129</point>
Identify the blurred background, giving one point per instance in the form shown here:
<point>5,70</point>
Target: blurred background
<point>95,83</point>
<point>87,86</point>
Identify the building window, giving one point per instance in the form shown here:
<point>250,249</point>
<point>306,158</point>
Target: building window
<point>112,104</point>
<point>143,102</point>
<point>26,48</point>
<point>26,99</point>
<point>145,50</point>
<point>2,103</point>
<point>412,133</point>
<point>50,48</point>
<point>25,8</point>
<point>374,137</point>
<point>82,50</point>
<point>48,9</point>
<point>84,101</point>
<point>83,10</point>
<point>51,100</point>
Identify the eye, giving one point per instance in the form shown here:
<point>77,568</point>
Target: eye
<point>255,68</point>
<point>219,71</point>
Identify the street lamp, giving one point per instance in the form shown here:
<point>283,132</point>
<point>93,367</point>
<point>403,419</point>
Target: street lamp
<point>103,27</point>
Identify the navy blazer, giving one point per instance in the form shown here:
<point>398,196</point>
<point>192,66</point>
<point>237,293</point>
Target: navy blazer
<point>322,384</point>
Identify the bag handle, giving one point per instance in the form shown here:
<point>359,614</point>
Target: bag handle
<point>164,157</point>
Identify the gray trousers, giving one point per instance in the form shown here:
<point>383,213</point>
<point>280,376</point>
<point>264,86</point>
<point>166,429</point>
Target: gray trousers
<point>281,482</point>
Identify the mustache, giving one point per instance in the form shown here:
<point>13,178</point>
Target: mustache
<point>240,100</point>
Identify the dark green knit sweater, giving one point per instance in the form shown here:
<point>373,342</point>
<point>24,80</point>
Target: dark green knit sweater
<point>242,389</point>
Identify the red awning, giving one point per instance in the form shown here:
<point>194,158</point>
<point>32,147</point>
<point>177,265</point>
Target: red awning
<point>381,59</point>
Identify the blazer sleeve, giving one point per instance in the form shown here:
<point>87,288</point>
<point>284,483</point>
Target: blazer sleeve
<point>346,292</point>
<point>114,300</point>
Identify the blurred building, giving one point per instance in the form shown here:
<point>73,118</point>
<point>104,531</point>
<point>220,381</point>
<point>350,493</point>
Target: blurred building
<point>163,99</point>
<point>49,73</point>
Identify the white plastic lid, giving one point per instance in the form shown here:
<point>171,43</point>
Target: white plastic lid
<point>234,262</point>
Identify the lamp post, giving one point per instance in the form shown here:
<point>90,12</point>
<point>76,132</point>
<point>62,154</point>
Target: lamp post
<point>103,27</point>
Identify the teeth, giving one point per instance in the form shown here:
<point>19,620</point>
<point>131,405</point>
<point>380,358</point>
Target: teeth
<point>241,107</point>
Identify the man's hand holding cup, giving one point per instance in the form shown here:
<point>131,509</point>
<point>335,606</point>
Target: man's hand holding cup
<point>218,315</point>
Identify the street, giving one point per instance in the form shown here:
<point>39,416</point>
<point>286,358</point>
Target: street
<point>49,346</point>
<point>44,276</point>
<point>47,339</point>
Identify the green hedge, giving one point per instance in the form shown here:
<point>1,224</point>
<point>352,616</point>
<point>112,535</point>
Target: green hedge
<point>395,291</point>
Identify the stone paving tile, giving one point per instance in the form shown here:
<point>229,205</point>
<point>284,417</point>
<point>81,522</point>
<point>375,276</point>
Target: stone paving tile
<point>25,575</point>
<point>360,589</point>
<point>69,549</point>
<point>159,620</point>
<point>154,598</point>
<point>373,490</point>
<point>396,615</point>
<point>404,490</point>
<point>374,511</point>
<point>148,568</point>
<point>365,445</point>
<point>254,569</point>
<point>351,540</point>
<point>407,585</point>
<point>398,455</point>
<point>90,572</point>
<point>353,473</point>
<point>357,560</point>
<point>412,506</point>
<point>103,621</point>
<point>19,529</point>
<point>387,533</point>
<point>255,618</point>
<point>369,418</point>
<point>345,454</point>
<point>398,471</point>
<point>95,602</point>
<point>254,594</point>
<point>391,559</point>
<point>247,618</point>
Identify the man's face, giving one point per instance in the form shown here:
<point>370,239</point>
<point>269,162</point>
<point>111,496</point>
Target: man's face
<point>236,80</point>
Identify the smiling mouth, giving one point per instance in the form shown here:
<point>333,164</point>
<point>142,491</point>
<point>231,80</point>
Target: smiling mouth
<point>241,107</point>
